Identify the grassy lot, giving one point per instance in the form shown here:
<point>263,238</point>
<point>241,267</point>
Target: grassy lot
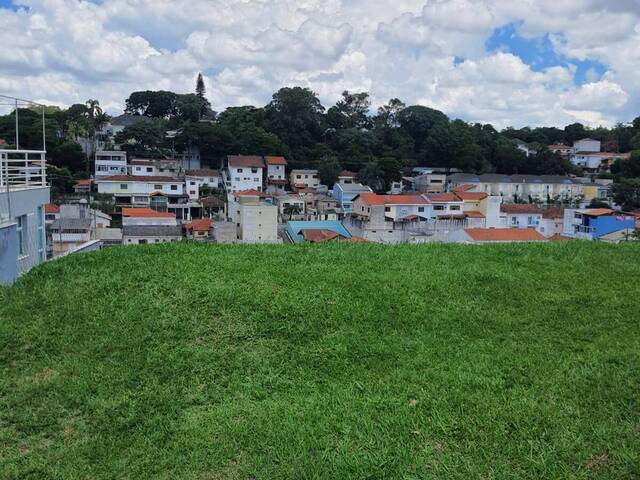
<point>324,362</point>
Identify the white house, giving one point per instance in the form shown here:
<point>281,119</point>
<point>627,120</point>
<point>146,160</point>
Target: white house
<point>160,167</point>
<point>522,146</point>
<point>194,179</point>
<point>110,162</point>
<point>521,215</point>
<point>276,176</point>
<point>257,219</point>
<point>304,179</point>
<point>287,204</point>
<point>587,145</point>
<point>243,172</point>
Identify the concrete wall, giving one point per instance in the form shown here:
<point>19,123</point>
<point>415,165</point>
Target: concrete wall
<point>8,253</point>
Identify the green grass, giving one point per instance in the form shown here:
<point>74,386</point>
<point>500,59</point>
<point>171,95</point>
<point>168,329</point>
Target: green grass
<point>324,362</point>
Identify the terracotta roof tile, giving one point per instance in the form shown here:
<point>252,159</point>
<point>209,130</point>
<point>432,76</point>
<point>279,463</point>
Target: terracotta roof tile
<point>471,196</point>
<point>504,235</point>
<point>51,208</point>
<point>523,208</point>
<point>375,199</point>
<point>246,161</point>
<point>145,213</point>
<point>318,235</point>
<point>200,225</point>
<point>276,160</point>
<point>597,212</point>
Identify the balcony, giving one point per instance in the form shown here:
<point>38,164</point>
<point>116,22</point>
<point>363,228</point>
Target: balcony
<point>22,169</point>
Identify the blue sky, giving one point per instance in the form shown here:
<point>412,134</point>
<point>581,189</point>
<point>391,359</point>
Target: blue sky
<point>512,63</point>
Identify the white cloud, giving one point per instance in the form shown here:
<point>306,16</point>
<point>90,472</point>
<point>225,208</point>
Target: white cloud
<point>65,51</point>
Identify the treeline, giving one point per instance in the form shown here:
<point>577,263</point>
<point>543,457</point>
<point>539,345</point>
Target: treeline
<point>296,125</point>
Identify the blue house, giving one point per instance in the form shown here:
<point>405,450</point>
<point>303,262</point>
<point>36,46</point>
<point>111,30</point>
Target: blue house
<point>316,231</point>
<point>345,193</point>
<point>595,223</point>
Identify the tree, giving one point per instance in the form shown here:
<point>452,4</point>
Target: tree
<point>350,112</point>
<point>160,104</point>
<point>626,192</point>
<point>69,155</point>
<point>93,108</point>
<point>328,170</point>
<point>373,176</point>
<point>388,114</point>
<point>598,203</point>
<point>201,90</point>
<point>627,168</point>
<point>142,138</point>
<point>574,132</point>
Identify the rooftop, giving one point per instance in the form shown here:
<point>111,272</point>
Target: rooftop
<point>520,208</point>
<point>375,199</point>
<point>504,235</point>
<point>145,213</point>
<point>275,160</point>
<point>139,178</point>
<point>203,172</point>
<point>245,161</point>
<point>200,225</point>
<point>152,231</point>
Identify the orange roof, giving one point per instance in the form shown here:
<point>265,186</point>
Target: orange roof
<point>318,235</point>
<point>251,193</point>
<point>50,208</point>
<point>471,196</point>
<point>597,212</point>
<point>145,213</point>
<point>245,161</point>
<point>83,183</point>
<point>553,212</point>
<point>200,225</point>
<point>375,199</point>
<point>464,187</point>
<point>520,208</point>
<point>346,173</point>
<point>474,214</point>
<point>276,160</point>
<point>503,235</point>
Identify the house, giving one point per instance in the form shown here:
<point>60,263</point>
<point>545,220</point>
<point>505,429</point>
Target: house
<point>594,162</point>
<point>595,223</point>
<point>496,235</point>
<point>154,167</point>
<point>109,237</point>
<point>596,189</point>
<point>320,206</point>
<point>514,188</point>
<point>304,179</point>
<point>387,218</point>
<point>316,231</point>
<point>430,182</point>
<point>276,176</point>
<point>212,206</point>
<point>233,202</point>
<point>24,192</point>
<point>225,232</point>
<point>199,229</point>
<point>552,222</point>
<point>524,215</point>
<point>160,193</point>
<point>564,151</point>
<point>587,145</point>
<point>51,213</point>
<point>522,146</point>
<point>147,216</point>
<point>345,193</point>
<point>291,207</point>
<point>68,234</point>
<point>110,162</point>
<point>345,177</point>
<point>195,179</point>
<point>257,218</point>
<point>82,187</point>
<point>147,234</point>
<point>243,172</point>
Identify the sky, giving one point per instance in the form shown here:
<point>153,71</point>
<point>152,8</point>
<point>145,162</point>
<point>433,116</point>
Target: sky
<point>508,63</point>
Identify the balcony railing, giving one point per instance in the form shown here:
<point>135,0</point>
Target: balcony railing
<point>20,169</point>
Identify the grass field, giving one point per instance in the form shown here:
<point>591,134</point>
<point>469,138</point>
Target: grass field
<point>343,361</point>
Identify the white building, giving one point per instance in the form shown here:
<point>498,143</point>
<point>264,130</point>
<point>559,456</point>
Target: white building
<point>23,194</point>
<point>587,145</point>
<point>146,216</point>
<point>194,179</point>
<point>304,179</point>
<point>521,215</point>
<point>146,234</point>
<point>243,172</point>
<point>276,176</point>
<point>257,219</point>
<point>291,207</point>
<point>110,162</point>
<point>154,167</point>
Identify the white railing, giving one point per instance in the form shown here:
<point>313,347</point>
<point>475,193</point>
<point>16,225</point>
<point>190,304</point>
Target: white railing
<point>21,169</point>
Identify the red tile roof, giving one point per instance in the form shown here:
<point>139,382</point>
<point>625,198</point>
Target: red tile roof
<point>200,225</point>
<point>443,197</point>
<point>145,213</point>
<point>522,208</point>
<point>504,235</point>
<point>474,214</point>
<point>346,173</point>
<point>464,187</point>
<point>276,160</point>
<point>318,235</point>
<point>597,212</point>
<point>553,212</point>
<point>375,199</point>
<point>51,208</point>
<point>246,161</point>
<point>83,183</point>
<point>471,196</point>
<point>251,193</point>
<point>203,172</point>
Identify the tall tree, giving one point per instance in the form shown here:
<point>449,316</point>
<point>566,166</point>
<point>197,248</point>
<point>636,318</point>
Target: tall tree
<point>201,90</point>
<point>350,112</point>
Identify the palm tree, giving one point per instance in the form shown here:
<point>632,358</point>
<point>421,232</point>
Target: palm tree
<point>291,209</point>
<point>93,107</point>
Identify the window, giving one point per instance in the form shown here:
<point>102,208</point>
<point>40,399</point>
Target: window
<point>174,187</point>
<point>239,170</point>
<point>514,220</point>
<point>387,209</point>
<point>455,207</point>
<point>39,213</point>
<point>124,186</point>
<point>254,170</point>
<point>157,187</point>
<point>237,179</point>
<point>192,192</point>
<point>438,208</point>
<point>298,176</point>
<point>137,169</point>
<point>22,236</point>
<point>192,183</point>
<point>421,209</point>
<point>149,169</point>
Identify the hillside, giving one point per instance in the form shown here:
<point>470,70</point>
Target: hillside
<point>190,361</point>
